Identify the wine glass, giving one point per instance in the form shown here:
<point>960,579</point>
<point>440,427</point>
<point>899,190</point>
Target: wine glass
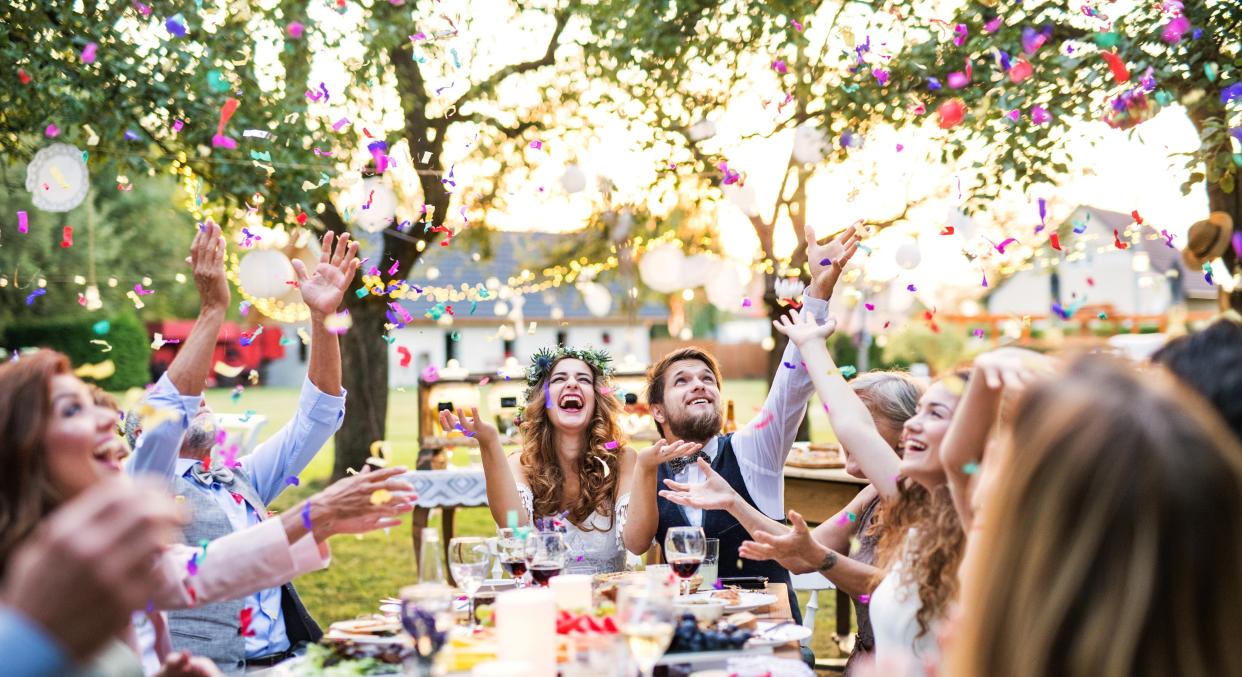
<point>427,614</point>
<point>549,556</point>
<point>645,615</point>
<point>684,548</point>
<point>469,559</point>
<point>516,552</point>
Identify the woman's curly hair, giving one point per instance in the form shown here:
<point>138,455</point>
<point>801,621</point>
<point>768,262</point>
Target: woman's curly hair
<point>598,466</point>
<point>934,551</point>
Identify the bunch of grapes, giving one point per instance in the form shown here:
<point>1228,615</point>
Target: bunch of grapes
<point>689,638</point>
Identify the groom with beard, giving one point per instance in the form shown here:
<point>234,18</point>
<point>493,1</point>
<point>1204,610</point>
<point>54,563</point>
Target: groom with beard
<point>683,390</point>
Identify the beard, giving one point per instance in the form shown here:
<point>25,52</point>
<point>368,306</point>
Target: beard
<point>695,427</point>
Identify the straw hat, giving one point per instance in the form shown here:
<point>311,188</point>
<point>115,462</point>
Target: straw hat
<point>1207,239</point>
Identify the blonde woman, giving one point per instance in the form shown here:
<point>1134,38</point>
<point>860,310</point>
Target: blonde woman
<point>575,467</point>
<point>1111,543</point>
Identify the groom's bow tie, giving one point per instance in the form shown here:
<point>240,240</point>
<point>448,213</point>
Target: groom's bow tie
<point>219,474</point>
<point>677,465</point>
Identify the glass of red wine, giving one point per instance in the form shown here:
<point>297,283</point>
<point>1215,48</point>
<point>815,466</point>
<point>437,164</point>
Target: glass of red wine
<point>516,552</point>
<point>549,556</point>
<point>684,549</point>
<point>427,614</point>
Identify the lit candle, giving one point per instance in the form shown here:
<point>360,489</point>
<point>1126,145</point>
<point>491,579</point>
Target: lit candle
<point>573,592</point>
<point>526,629</point>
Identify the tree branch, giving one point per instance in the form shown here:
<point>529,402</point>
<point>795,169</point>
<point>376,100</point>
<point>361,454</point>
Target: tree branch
<point>491,82</point>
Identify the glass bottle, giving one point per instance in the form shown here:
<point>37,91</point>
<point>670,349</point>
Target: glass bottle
<point>431,558</point>
<point>730,425</point>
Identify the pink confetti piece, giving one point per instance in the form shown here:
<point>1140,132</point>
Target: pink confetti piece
<point>611,444</point>
<point>1008,241</point>
<point>52,131</point>
<point>869,306</point>
<point>767,420</point>
<point>23,224</point>
<point>780,67</point>
<point>294,30</point>
<point>536,144</point>
<point>226,112</point>
<point>865,599</point>
<point>191,566</point>
<point>485,380</point>
<point>88,53</point>
<point>336,126</point>
<point>745,303</point>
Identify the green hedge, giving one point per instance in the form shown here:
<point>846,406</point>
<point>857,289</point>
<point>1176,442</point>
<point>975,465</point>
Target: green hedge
<point>131,348</point>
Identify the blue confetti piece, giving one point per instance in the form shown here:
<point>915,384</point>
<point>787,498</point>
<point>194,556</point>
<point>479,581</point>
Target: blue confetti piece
<point>34,295</point>
<point>306,518</point>
<point>175,26</point>
<point>293,482</point>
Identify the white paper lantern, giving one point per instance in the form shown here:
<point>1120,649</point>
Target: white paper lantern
<point>695,269</point>
<point>908,255</point>
<point>383,205</point>
<point>726,285</point>
<point>660,268</point>
<point>809,143</point>
<point>743,197</point>
<point>702,130</point>
<point>264,274</point>
<point>597,298</point>
<point>574,179</point>
<point>57,178</point>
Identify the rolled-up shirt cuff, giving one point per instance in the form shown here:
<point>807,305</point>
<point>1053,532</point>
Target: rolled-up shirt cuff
<point>817,308</point>
<point>309,555</point>
<point>165,395</point>
<point>320,406</point>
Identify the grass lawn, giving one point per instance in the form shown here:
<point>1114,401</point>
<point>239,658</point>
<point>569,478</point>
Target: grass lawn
<point>367,568</point>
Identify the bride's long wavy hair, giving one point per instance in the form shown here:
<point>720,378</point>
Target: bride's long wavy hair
<point>598,467</point>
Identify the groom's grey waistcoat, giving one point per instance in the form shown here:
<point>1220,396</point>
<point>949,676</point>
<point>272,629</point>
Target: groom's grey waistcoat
<point>213,630</point>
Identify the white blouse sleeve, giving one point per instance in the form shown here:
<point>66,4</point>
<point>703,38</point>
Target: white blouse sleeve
<point>620,512</point>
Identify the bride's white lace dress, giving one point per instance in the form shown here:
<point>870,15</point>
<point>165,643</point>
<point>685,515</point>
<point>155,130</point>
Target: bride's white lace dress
<point>599,551</point>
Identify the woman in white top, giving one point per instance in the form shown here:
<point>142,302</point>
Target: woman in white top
<point>575,467</point>
<point>920,535</point>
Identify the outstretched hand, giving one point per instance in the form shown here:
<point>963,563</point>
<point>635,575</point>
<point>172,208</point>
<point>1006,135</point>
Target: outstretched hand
<point>323,288</point>
<point>712,494</point>
<point>472,425</point>
<point>1012,368</point>
<point>795,549</point>
<point>372,499</point>
<point>804,330</point>
<point>827,261</point>
<point>662,452</point>
<point>206,261</point>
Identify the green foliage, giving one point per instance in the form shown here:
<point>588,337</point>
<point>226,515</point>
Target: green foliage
<point>916,342</point>
<point>131,349</point>
<point>137,233</point>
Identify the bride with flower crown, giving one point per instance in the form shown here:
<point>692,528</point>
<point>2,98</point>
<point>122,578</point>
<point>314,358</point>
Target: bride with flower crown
<point>575,468</point>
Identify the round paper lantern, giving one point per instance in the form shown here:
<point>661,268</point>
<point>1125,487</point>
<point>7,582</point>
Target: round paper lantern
<point>726,285</point>
<point>378,205</point>
<point>660,268</point>
<point>574,179</point>
<point>597,298</point>
<point>695,269</point>
<point>809,143</point>
<point>702,130</point>
<point>57,178</point>
<point>264,273</point>
<point>908,255</point>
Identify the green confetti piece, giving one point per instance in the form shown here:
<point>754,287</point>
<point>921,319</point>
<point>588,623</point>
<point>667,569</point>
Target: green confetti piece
<point>1209,69</point>
<point>970,468</point>
<point>848,371</point>
<point>1164,98</point>
<point>261,156</point>
<point>511,519</point>
<point>390,339</point>
<point>456,336</point>
<point>1107,40</point>
<point>362,291</point>
<point>101,327</point>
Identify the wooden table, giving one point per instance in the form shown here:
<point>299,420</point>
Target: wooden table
<point>779,612</point>
<point>818,494</point>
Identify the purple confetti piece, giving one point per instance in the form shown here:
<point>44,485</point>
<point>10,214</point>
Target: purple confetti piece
<point>1043,213</point>
<point>23,223</point>
<point>611,444</point>
<point>175,27</point>
<point>911,287</point>
<point>933,83</point>
<point>790,365</point>
<point>865,599</point>
<point>292,481</point>
<point>192,565</point>
<point>1237,244</point>
<point>306,518</point>
<point>825,262</point>
<point>336,126</point>
<point>35,294</point>
<point>547,397</point>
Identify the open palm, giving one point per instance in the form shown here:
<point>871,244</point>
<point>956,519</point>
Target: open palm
<point>713,494</point>
<point>802,330</point>
<point>323,288</point>
<point>830,258</point>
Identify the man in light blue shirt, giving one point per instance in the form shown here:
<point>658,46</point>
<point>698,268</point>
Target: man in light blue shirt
<point>228,495</point>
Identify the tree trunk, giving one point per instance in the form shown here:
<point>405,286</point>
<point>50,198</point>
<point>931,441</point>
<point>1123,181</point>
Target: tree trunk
<point>364,355</point>
<point>1231,204</point>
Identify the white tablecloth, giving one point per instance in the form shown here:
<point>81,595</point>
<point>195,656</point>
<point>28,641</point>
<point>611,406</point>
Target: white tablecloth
<point>448,488</point>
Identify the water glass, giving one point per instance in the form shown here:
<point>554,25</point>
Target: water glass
<point>427,614</point>
<point>469,560</point>
<point>711,563</point>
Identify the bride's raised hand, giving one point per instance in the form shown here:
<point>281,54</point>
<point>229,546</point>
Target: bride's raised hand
<point>803,330</point>
<point>474,426</point>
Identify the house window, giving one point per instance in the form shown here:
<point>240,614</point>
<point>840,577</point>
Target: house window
<point>509,346</point>
<point>450,347</point>
<point>562,337</point>
<point>606,338</point>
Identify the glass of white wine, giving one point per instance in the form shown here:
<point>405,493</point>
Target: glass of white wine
<point>646,622</point>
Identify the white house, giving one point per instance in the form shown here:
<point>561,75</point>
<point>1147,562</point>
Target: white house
<point>502,326</point>
<point>1146,278</point>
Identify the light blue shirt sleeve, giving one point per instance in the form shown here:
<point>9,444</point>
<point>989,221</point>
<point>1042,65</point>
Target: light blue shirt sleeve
<point>287,453</point>
<point>29,651</point>
<point>156,450</point>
